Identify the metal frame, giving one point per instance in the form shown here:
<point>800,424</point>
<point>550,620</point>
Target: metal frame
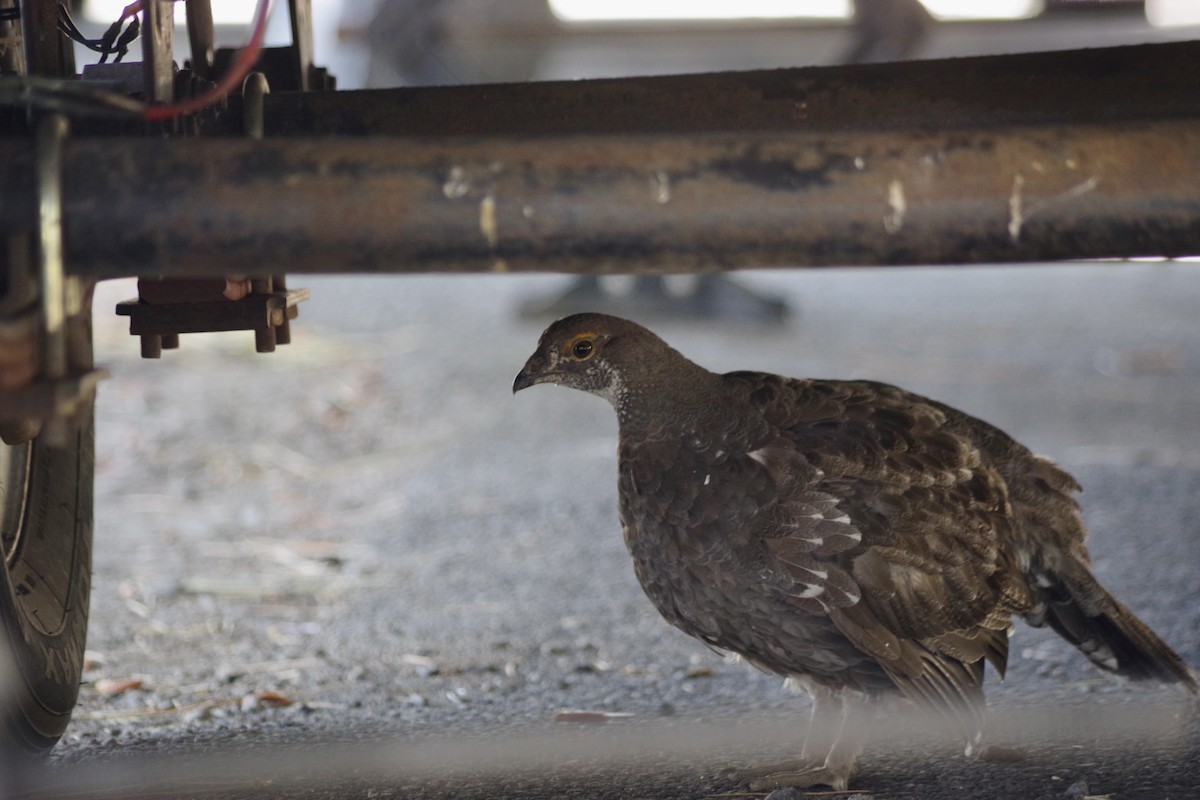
<point>619,203</point>
<point>938,162</point>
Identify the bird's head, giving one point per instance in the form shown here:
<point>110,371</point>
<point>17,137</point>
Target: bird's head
<point>595,353</point>
<point>578,352</point>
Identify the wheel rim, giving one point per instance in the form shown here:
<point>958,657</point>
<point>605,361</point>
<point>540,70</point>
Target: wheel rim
<point>14,498</point>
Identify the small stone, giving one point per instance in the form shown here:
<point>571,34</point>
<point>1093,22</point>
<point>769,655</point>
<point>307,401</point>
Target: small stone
<point>198,713</point>
<point>786,793</point>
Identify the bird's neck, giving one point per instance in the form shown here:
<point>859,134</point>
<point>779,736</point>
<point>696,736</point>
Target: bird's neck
<point>680,396</point>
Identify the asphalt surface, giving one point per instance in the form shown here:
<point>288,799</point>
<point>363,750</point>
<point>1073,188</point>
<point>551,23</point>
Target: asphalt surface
<point>359,567</point>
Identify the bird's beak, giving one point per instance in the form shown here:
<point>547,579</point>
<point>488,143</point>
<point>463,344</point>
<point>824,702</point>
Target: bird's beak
<point>524,381</point>
<point>534,372</point>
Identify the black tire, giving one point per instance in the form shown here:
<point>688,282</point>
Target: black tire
<point>45,580</point>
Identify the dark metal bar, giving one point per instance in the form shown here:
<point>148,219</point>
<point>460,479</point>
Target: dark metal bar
<point>1099,85</point>
<point>201,37</point>
<point>12,61</point>
<point>158,38</point>
<point>623,203</point>
<point>47,50</point>
<point>300,16</point>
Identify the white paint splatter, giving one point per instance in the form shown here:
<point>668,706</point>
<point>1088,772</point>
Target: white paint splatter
<point>662,187</point>
<point>1016,214</point>
<point>456,184</point>
<point>894,221</point>
<point>1080,189</point>
<point>487,220</point>
<point>1019,211</point>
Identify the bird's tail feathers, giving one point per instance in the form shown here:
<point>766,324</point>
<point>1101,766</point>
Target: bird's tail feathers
<point>1082,611</point>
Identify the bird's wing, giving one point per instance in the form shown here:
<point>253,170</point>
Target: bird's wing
<point>889,523</point>
<point>870,479</point>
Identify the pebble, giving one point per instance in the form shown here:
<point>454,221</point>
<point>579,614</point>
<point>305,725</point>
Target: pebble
<point>786,793</point>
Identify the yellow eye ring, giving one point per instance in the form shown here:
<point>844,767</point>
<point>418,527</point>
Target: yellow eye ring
<point>583,349</point>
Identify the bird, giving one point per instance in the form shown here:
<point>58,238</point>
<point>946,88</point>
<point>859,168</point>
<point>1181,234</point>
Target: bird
<point>860,540</point>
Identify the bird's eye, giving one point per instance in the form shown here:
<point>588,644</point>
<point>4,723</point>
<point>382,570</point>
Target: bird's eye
<point>582,349</point>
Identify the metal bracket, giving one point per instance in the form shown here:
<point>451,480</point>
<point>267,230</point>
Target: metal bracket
<point>165,309</point>
<point>60,391</point>
<point>51,133</point>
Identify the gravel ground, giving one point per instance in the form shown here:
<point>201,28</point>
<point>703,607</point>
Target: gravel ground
<point>359,567</point>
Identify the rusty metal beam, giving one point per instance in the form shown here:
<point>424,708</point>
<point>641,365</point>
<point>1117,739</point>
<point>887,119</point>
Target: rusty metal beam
<point>1071,87</point>
<point>998,159</point>
<point>622,203</point>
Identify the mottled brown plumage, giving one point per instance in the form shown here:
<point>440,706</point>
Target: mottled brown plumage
<point>853,536</point>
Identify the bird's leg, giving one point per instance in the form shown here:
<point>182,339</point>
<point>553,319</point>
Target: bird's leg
<point>824,727</point>
<point>830,750</point>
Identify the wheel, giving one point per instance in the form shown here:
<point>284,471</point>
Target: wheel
<point>45,578</point>
<point>44,585</point>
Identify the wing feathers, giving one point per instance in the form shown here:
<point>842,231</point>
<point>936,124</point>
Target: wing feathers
<point>891,523</point>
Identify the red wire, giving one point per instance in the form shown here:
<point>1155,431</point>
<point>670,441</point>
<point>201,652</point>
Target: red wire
<point>130,10</point>
<point>232,78</point>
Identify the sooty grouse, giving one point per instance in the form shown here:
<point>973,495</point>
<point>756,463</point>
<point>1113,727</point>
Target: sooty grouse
<point>851,536</point>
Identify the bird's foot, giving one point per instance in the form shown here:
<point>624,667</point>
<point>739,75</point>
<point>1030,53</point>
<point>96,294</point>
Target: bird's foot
<point>799,773</point>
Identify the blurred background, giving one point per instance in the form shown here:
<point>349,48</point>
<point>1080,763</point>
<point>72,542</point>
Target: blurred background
<point>398,42</point>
